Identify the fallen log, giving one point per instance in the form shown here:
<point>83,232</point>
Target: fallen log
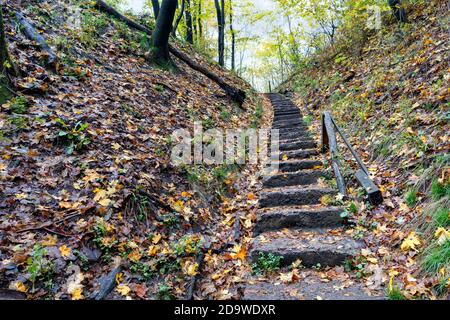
<point>107,284</point>
<point>235,94</point>
<point>30,32</point>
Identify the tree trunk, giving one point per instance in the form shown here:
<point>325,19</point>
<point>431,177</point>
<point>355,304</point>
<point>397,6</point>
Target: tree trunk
<point>199,21</point>
<point>180,16</point>
<point>156,8</point>
<point>7,67</point>
<point>160,37</point>
<point>398,10</point>
<point>220,9</point>
<point>233,39</point>
<point>189,34</point>
<point>235,94</point>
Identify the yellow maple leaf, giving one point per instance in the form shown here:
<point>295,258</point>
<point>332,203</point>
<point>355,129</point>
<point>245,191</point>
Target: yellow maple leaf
<point>411,241</point>
<point>65,251</point>
<point>105,202</point>
<point>178,206</point>
<point>77,294</point>
<point>251,196</point>
<point>21,196</point>
<point>49,241</point>
<point>152,251</point>
<point>135,256</point>
<point>442,235</point>
<point>284,157</point>
<point>123,289</point>
<point>372,260</point>
<point>119,278</point>
<point>156,238</point>
<point>99,194</point>
<point>190,268</point>
<point>239,253</point>
<point>116,146</point>
<point>18,286</point>
<point>185,194</point>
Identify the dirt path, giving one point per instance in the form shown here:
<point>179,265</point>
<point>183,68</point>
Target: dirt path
<point>293,224</point>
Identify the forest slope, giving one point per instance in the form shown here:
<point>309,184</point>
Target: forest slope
<point>86,182</point>
<point>390,92</point>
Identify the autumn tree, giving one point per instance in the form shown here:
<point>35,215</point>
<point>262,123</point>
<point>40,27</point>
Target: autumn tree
<point>160,38</point>
<point>178,20</point>
<point>199,21</point>
<point>189,28</point>
<point>399,10</point>
<point>220,10</point>
<point>6,65</point>
<point>233,38</point>
<point>156,8</point>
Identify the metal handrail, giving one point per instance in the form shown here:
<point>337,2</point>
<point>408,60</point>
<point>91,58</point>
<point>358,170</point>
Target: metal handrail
<point>329,142</point>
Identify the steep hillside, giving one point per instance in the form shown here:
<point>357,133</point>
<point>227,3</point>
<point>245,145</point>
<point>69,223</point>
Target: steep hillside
<point>391,96</point>
<point>86,182</point>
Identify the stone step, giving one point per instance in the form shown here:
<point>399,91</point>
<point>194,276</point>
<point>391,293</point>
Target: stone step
<point>299,144</point>
<point>286,112</point>
<point>299,154</point>
<point>292,179</point>
<point>312,247</point>
<point>287,119</point>
<point>297,125</point>
<point>297,165</point>
<point>305,138</point>
<point>296,218</point>
<point>310,288</point>
<point>293,197</point>
<point>292,119</point>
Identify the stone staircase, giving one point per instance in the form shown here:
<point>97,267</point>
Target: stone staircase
<point>291,221</point>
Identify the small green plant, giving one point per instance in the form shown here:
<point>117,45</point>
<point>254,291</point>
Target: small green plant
<point>257,116</point>
<point>266,263</point>
<point>442,217</point>
<point>105,243</point>
<point>411,198</point>
<point>187,245</point>
<point>160,88</point>
<point>171,220</point>
<point>308,120</point>
<point>83,259</point>
<point>19,105</point>
<point>143,270</point>
<point>167,266</point>
<point>74,136</point>
<point>395,294</point>
<point>140,204</point>
<point>440,190</point>
<point>225,115</point>
<point>208,123</point>
<point>38,267</point>
<point>351,210</point>
<point>165,292</point>
<point>437,256</point>
<point>19,122</point>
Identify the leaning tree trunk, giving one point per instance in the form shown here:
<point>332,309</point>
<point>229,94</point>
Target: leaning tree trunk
<point>398,10</point>
<point>233,39</point>
<point>7,68</point>
<point>220,10</point>
<point>180,16</point>
<point>235,94</point>
<point>189,33</point>
<point>160,38</point>
<point>156,8</point>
